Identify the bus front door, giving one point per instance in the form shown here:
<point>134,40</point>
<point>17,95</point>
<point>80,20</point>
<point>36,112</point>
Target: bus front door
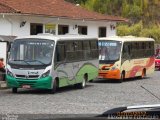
<point>126,60</point>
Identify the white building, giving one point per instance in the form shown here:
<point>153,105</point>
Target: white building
<point>29,17</point>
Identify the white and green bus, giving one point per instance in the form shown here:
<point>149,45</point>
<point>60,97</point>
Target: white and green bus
<point>50,62</point>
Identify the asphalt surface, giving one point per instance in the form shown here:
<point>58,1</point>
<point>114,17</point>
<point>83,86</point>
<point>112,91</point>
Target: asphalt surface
<point>97,97</point>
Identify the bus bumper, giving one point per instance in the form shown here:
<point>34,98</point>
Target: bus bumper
<point>114,74</point>
<point>41,83</point>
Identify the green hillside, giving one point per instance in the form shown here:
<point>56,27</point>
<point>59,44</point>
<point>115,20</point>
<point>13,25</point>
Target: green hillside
<point>143,15</point>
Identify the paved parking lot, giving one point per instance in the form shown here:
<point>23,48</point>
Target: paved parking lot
<point>97,97</point>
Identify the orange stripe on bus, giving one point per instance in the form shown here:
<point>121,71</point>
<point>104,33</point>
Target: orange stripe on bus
<point>114,74</point>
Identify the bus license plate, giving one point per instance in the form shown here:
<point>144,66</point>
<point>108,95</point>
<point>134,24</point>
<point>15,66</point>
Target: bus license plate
<point>26,86</point>
<point>100,76</point>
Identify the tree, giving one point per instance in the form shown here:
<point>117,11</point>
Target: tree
<point>143,15</point>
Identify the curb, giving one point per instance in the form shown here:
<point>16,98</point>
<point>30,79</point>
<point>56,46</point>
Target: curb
<point>3,85</point>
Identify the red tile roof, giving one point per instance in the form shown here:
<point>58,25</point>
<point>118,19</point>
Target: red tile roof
<point>5,9</point>
<point>53,8</point>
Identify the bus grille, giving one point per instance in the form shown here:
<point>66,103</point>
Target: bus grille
<point>20,82</point>
<point>27,77</point>
<point>106,69</point>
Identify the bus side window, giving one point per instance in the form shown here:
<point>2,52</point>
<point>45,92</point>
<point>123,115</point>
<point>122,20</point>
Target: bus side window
<point>94,49</point>
<point>126,51</point>
<point>79,51</point>
<point>60,53</point>
<point>129,50</point>
<point>134,50</point>
<point>152,48</point>
<point>70,51</point>
<point>86,50</point>
<point>149,49</point>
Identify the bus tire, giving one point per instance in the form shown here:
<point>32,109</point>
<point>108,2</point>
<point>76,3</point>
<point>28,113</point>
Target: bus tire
<point>83,83</point>
<point>122,77</point>
<point>91,81</point>
<point>143,74</point>
<point>54,89</point>
<point>14,90</point>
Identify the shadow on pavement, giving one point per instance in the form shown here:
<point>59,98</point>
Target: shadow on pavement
<point>44,91</point>
<point>117,81</point>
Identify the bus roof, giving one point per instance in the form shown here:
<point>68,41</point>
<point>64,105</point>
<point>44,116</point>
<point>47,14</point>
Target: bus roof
<point>59,37</point>
<point>126,38</point>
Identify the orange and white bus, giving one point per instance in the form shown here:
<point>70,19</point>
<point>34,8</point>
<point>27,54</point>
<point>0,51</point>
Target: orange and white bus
<point>126,57</point>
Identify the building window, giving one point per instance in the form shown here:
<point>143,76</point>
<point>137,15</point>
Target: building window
<point>82,30</point>
<point>50,28</point>
<point>102,32</point>
<point>36,28</point>
<point>63,29</point>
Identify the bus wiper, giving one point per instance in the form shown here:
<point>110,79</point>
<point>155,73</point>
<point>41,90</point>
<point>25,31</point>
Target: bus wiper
<point>17,60</point>
<point>21,60</point>
<point>36,61</point>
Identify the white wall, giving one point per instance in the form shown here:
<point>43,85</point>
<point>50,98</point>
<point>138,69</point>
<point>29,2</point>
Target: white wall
<point>92,26</point>
<point>10,25</point>
<point>21,31</point>
<point>5,27</point>
<point>111,32</point>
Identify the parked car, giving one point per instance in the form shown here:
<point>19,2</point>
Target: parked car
<point>157,63</point>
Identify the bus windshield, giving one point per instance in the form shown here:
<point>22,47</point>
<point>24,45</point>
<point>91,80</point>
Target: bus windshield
<point>31,52</point>
<point>109,50</point>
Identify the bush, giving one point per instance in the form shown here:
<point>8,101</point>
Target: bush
<point>139,31</point>
<point>123,30</point>
<point>153,32</point>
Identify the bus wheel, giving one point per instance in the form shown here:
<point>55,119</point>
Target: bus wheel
<point>91,81</point>
<point>83,83</point>
<point>122,77</point>
<point>14,90</point>
<point>143,73</point>
<point>54,89</point>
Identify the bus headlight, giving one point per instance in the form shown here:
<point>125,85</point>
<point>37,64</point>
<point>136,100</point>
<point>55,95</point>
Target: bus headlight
<point>10,73</point>
<point>113,68</point>
<point>45,74</point>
